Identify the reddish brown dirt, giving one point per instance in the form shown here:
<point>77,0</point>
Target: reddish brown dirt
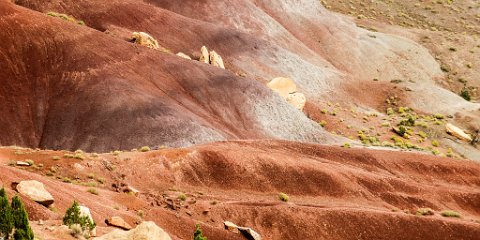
<point>71,87</point>
<point>335,193</point>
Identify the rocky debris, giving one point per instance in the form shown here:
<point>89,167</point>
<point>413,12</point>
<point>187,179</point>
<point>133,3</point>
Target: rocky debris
<point>85,212</point>
<point>118,222</point>
<point>22,164</point>
<point>216,60</point>
<point>125,188</point>
<point>36,191</point>
<point>457,132</point>
<point>248,233</point>
<point>211,57</point>
<point>144,231</point>
<point>145,39</point>
<point>183,55</point>
<point>287,88</point>
<point>204,57</point>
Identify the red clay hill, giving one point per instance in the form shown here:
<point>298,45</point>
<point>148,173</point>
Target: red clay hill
<point>224,144</point>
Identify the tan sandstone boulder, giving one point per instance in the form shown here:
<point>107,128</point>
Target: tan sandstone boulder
<point>283,86</point>
<point>297,99</point>
<point>36,191</point>
<point>287,88</point>
<point>248,233</point>
<point>457,132</point>
<point>216,60</point>
<point>144,231</point>
<point>205,56</point>
<point>183,55</point>
<point>118,222</point>
<point>144,39</point>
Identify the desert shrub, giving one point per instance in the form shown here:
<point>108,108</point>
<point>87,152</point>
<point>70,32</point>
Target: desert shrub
<point>450,213</point>
<point>93,191</point>
<point>425,212</point>
<point>465,94</point>
<point>198,234</point>
<point>435,143</point>
<point>182,197</point>
<point>66,18</point>
<point>145,149</point>
<point>283,197</point>
<point>73,216</point>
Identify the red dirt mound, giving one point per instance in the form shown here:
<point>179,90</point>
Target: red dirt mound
<point>334,193</point>
<point>67,86</point>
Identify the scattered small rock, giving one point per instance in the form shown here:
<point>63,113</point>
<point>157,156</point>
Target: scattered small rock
<point>248,233</point>
<point>118,222</point>
<point>23,164</point>
<point>183,55</point>
<point>204,57</point>
<point>216,60</point>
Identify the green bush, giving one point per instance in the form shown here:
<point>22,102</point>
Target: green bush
<point>465,94</point>
<point>198,234</point>
<point>14,219</point>
<point>73,216</point>
<point>283,197</point>
<point>6,220</point>
<point>450,213</point>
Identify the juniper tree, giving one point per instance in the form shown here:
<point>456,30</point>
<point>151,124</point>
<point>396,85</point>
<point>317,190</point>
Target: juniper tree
<point>198,234</point>
<point>20,219</point>
<point>74,216</point>
<point>6,220</point>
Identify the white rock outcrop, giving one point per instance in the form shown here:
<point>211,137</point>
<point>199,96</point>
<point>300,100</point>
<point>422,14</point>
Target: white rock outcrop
<point>216,60</point>
<point>287,88</point>
<point>144,231</point>
<point>36,191</point>
<point>457,132</point>
<point>145,39</point>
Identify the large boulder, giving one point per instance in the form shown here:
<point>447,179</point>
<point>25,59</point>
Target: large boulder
<point>216,60</point>
<point>85,212</point>
<point>36,191</point>
<point>298,100</point>
<point>282,86</point>
<point>145,39</point>
<point>118,222</point>
<point>205,56</point>
<point>248,233</point>
<point>144,231</point>
<point>287,88</point>
<point>457,132</point>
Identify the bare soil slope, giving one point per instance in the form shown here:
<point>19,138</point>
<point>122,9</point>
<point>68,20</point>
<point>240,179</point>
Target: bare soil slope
<point>334,193</point>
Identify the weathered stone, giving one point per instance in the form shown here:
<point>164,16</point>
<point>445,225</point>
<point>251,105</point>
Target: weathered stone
<point>144,231</point>
<point>297,99</point>
<point>36,191</point>
<point>23,164</point>
<point>216,60</point>
<point>204,57</point>
<point>283,86</point>
<point>145,39</point>
<point>457,132</point>
<point>248,233</point>
<point>85,212</point>
<point>118,222</point>
<point>183,55</point>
